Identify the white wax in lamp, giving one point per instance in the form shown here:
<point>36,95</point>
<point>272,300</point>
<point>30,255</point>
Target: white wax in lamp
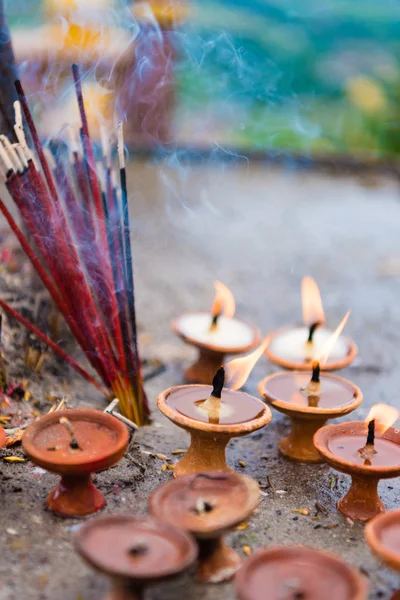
<point>229,332</point>
<point>291,345</point>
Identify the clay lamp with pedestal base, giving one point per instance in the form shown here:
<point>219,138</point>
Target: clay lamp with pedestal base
<point>212,416</point>
<point>298,573</point>
<point>383,537</point>
<point>309,402</point>
<point>295,347</point>
<point>135,552</point>
<point>368,451</point>
<point>208,505</point>
<point>216,335</point>
<point>75,443</point>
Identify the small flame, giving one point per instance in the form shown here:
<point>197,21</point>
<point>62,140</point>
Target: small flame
<point>224,302</point>
<point>384,416</point>
<point>313,311</point>
<point>326,349</point>
<point>238,370</point>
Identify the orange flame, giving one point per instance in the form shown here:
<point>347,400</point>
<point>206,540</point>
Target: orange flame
<point>327,347</point>
<point>384,416</point>
<point>313,311</point>
<point>224,302</point>
<point>238,370</point>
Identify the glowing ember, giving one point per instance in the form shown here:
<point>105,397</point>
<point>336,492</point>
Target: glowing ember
<point>324,354</point>
<point>313,312</point>
<point>384,416</point>
<point>224,302</point>
<point>238,370</point>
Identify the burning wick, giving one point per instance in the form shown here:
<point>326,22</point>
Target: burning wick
<point>214,322</point>
<point>224,304</point>
<point>368,451</point>
<point>312,330</point>
<point>313,388</point>
<point>67,424</point>
<point>213,403</point>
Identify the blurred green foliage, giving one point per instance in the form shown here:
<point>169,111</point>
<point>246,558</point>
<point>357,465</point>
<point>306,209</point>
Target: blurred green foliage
<point>316,76</point>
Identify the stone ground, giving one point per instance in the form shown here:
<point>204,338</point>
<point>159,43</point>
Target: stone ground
<point>259,230</point>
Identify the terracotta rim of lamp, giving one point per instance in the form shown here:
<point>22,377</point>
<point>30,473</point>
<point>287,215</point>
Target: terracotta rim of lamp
<point>336,563</point>
<point>3,437</point>
<point>185,422</point>
<point>325,434</point>
<point>203,529</point>
<point>150,524</point>
<point>74,463</point>
<point>373,532</point>
<point>312,411</point>
<point>307,366</point>
<point>211,347</point>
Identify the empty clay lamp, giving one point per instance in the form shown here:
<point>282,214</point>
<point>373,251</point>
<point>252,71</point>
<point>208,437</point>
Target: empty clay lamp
<point>135,552</point>
<point>295,347</point>
<point>212,416</point>
<point>298,573</point>
<point>309,402</point>
<point>383,537</point>
<point>75,443</point>
<point>367,451</point>
<point>208,505</point>
<point>216,335</point>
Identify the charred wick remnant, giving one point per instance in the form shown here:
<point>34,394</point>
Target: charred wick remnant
<point>8,75</point>
<point>312,330</point>
<point>138,549</point>
<point>68,425</point>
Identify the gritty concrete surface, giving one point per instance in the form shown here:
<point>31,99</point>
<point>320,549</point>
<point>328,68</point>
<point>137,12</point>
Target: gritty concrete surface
<point>259,231</point>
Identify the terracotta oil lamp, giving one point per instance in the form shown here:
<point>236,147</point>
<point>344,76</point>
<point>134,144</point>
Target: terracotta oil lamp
<point>383,537</point>
<point>75,443</point>
<point>295,347</point>
<point>309,402</point>
<point>216,335</point>
<point>208,505</point>
<point>355,448</point>
<point>135,552</point>
<point>3,437</point>
<point>212,415</point>
<point>298,573</point>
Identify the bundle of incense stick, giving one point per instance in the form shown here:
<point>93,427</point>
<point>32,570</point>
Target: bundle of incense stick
<point>77,216</point>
